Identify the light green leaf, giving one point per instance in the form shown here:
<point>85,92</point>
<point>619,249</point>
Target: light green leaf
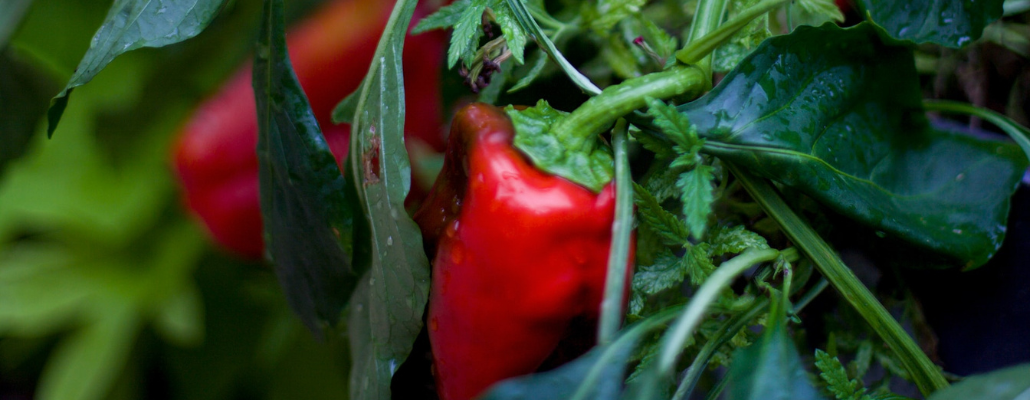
<point>836,378</point>
<point>398,270</point>
<point>130,25</point>
<point>85,364</point>
<point>466,34</point>
<point>734,240</point>
<point>443,18</point>
<point>822,8</point>
<point>696,195</point>
<point>672,231</point>
<point>513,32</point>
<point>180,320</point>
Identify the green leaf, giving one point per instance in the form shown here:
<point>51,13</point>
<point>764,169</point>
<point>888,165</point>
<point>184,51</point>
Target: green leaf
<point>742,43</point>
<point>667,272</point>
<point>944,22</point>
<point>836,114</point>
<point>467,31</point>
<point>770,369</point>
<point>130,25</point>
<point>513,32</point>
<point>696,195</point>
<point>443,18</point>
<point>675,125</point>
<point>23,97</point>
<point>821,8</point>
<point>597,374</point>
<point>398,271</point>
<point>533,136</point>
<point>306,217</point>
<point>672,231</point>
<point>734,240</point>
<point>344,111</point>
<point>1012,383</point>
<point>86,364</point>
<point>529,25</point>
<point>1020,134</point>
<point>836,378</point>
<point>610,12</point>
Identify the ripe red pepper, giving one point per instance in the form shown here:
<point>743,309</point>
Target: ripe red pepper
<point>215,155</point>
<point>519,254</point>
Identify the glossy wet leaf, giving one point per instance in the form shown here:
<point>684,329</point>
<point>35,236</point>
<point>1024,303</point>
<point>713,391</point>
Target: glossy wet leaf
<point>130,25</point>
<point>1012,383</point>
<point>398,270</point>
<point>951,23</point>
<point>307,220</point>
<point>836,114</point>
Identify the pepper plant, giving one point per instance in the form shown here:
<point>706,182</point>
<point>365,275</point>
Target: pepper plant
<point>721,132</point>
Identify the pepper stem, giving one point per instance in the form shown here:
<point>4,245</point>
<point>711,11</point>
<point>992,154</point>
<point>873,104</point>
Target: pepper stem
<point>577,130</point>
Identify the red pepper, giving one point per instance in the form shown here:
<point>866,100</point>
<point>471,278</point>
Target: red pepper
<point>519,255</point>
<point>215,155</point>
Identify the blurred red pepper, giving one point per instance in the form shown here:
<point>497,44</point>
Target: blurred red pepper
<point>215,155</point>
<point>520,255</point>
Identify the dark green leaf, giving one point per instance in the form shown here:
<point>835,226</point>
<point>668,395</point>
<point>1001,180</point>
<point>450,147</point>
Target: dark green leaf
<point>562,383</point>
<point>533,136</point>
<point>836,114</point>
<point>130,25</point>
<point>445,17</point>
<point>23,99</point>
<point>398,278</point>
<point>1012,383</point>
<point>770,369</point>
<point>306,217</point>
<point>949,23</point>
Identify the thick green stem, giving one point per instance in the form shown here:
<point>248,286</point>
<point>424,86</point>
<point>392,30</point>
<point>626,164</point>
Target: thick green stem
<point>707,17</point>
<point>697,51</point>
<point>684,326</point>
<point>924,372</point>
<point>577,131</point>
<point>618,255</point>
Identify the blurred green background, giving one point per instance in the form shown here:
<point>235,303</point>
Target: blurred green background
<point>109,289</point>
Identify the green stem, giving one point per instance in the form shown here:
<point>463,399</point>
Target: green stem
<point>577,130</point>
<point>618,255</point>
<point>684,326</point>
<point>698,50</point>
<point>707,17</point>
<point>924,373</point>
<point>726,332</point>
<point>1017,132</point>
<point>628,338</point>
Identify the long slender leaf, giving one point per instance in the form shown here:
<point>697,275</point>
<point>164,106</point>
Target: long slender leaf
<point>398,279</point>
<point>615,283</point>
<point>923,371</point>
<point>307,219</point>
<point>130,25</point>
